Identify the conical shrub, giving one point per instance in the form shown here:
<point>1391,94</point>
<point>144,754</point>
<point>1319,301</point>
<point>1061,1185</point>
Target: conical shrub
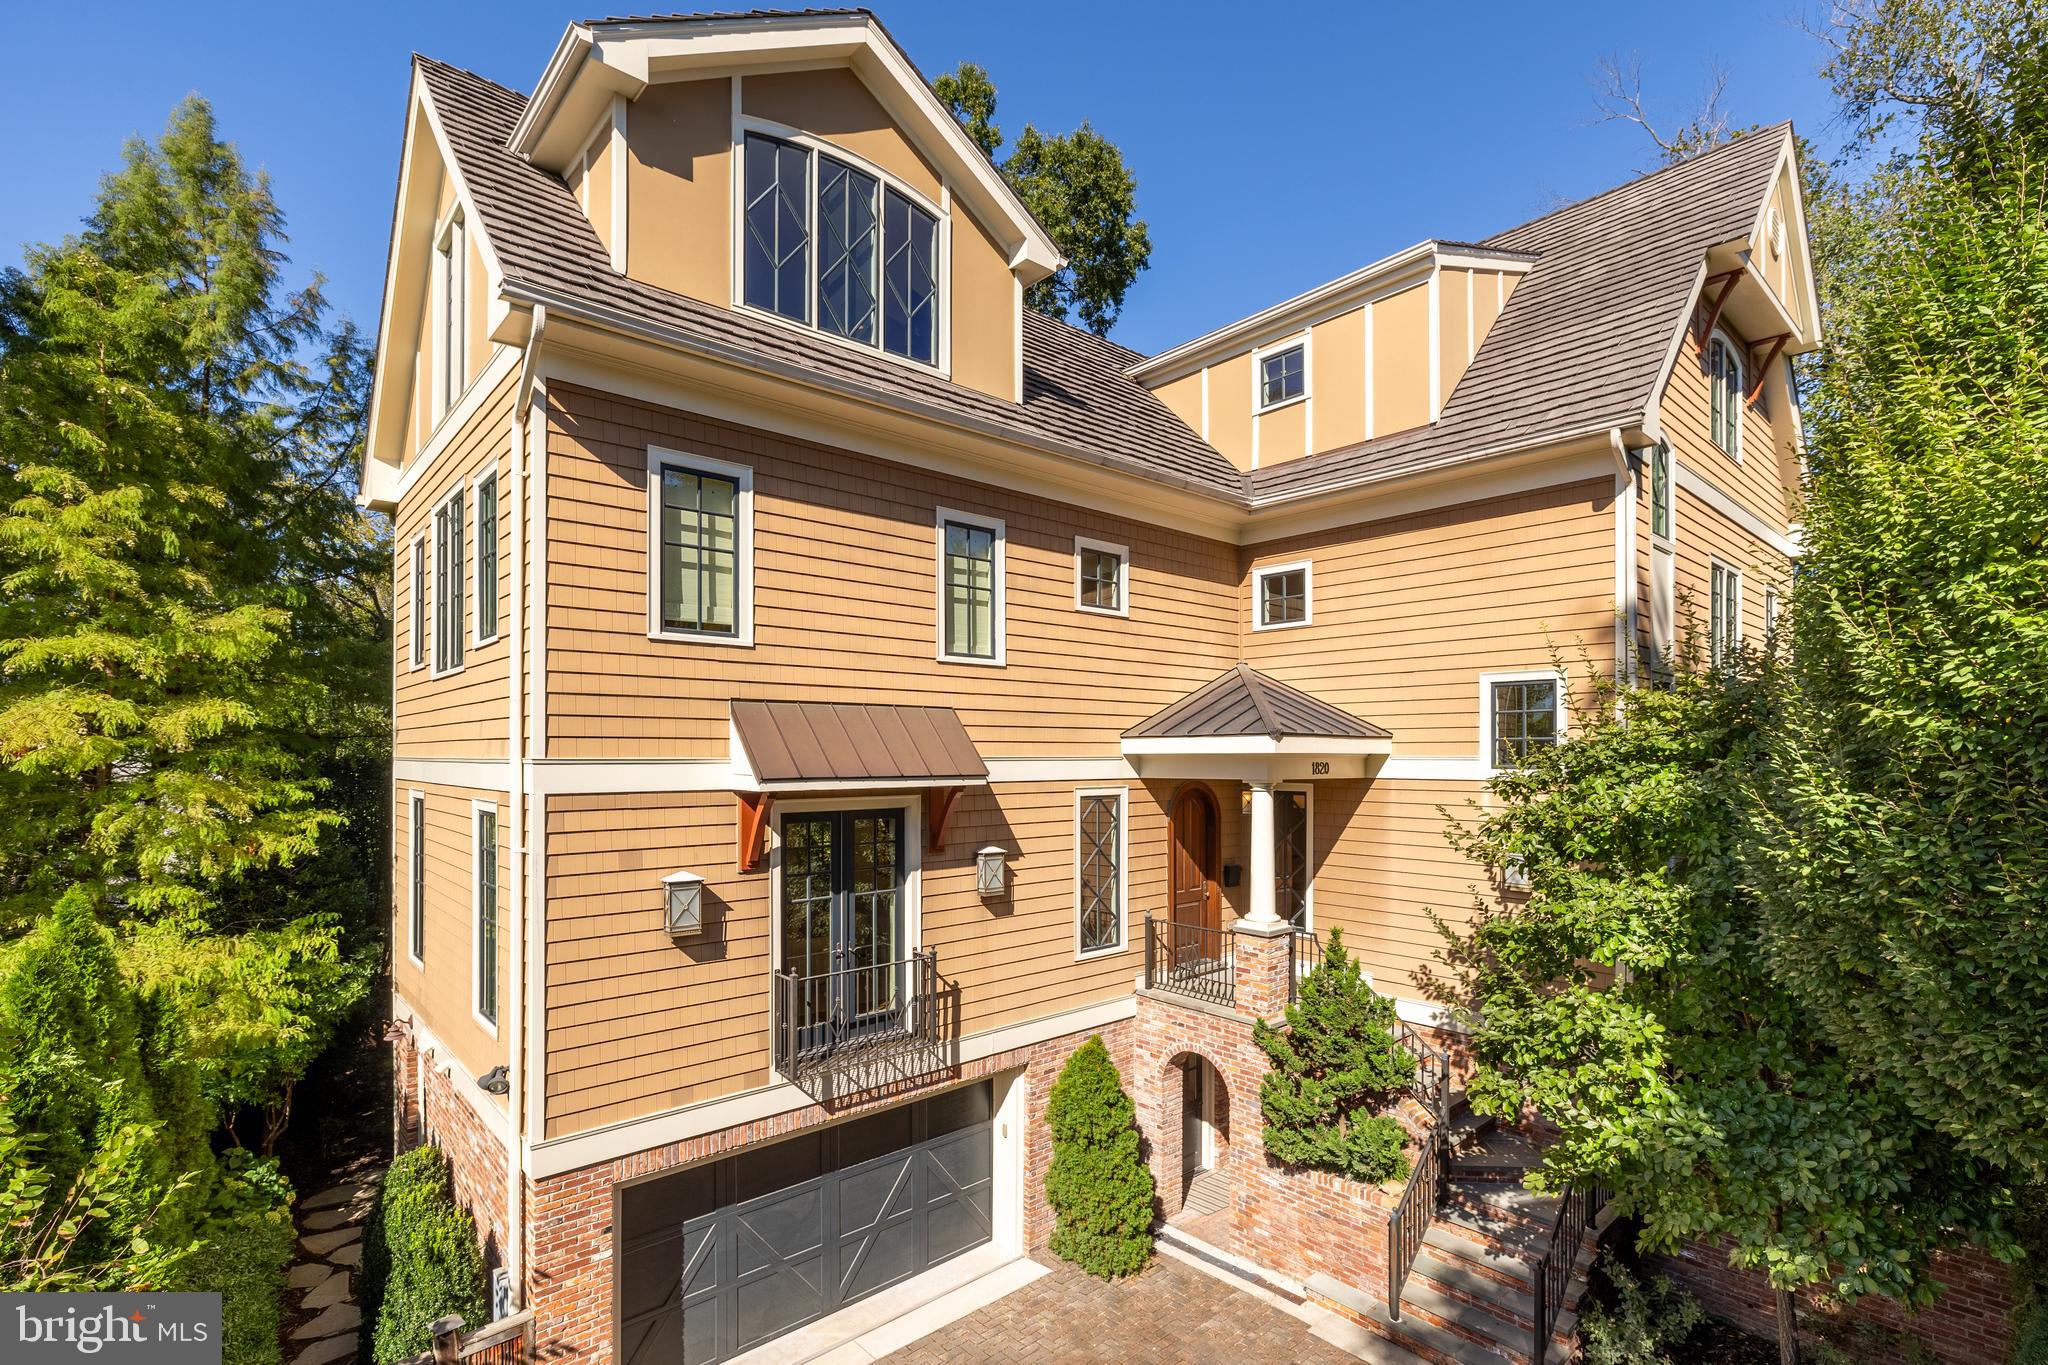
<point>1098,1185</point>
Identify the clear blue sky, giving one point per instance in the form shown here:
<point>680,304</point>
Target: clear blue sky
<point>1276,145</point>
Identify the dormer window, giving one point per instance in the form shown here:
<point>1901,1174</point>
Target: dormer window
<point>1724,376</point>
<point>838,247</point>
<point>1283,377</point>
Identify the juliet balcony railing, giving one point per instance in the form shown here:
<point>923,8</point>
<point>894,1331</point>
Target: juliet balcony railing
<point>1190,960</point>
<point>856,1017</point>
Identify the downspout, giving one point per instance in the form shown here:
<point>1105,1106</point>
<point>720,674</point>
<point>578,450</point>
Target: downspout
<point>515,789</point>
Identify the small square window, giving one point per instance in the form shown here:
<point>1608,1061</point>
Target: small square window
<point>1100,577</point>
<point>1283,375</point>
<point>1280,596</point>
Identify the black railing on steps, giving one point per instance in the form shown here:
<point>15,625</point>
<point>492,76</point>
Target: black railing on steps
<point>1575,1213</point>
<point>1423,1197</point>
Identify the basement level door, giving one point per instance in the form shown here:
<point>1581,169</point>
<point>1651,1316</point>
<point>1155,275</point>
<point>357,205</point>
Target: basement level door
<point>718,1259</point>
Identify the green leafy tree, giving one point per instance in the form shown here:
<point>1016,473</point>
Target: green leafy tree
<point>420,1258</point>
<point>1335,1065</point>
<point>98,1231</point>
<point>1632,1001</point>
<point>173,613</point>
<point>1078,186</point>
<point>1098,1184</point>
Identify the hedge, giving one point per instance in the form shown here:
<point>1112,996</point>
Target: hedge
<point>420,1259</point>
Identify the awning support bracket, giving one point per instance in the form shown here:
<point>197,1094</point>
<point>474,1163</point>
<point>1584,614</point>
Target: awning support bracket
<point>753,828</point>
<point>1763,370</point>
<point>1720,302</point>
<point>939,804</point>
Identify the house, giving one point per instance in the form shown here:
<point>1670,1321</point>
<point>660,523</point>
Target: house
<point>828,692</point>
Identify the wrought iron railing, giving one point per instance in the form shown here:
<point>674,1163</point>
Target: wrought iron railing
<point>1423,1196</point>
<point>856,1012</point>
<point>1575,1213</point>
<point>1304,952</point>
<point>1191,960</point>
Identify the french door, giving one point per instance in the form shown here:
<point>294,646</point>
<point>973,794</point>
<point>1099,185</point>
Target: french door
<point>842,921</point>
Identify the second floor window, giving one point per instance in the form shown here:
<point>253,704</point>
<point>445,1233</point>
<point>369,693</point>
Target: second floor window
<point>1282,375</point>
<point>487,914</point>
<point>1523,717</point>
<point>700,551</point>
<point>487,558</point>
<point>831,245</point>
<point>417,853</point>
<point>1280,596</point>
<point>448,576</point>
<point>970,588</point>
<point>1660,491</point>
<point>419,600</point>
<point>1099,572</point>
<point>1724,614</point>
<point>1724,375</point>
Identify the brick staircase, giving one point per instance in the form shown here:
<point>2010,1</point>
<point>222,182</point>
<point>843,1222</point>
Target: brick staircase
<point>1470,1296</point>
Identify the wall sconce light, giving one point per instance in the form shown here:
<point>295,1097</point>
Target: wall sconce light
<point>988,871</point>
<point>1514,873</point>
<point>685,903</point>
<point>494,1082</point>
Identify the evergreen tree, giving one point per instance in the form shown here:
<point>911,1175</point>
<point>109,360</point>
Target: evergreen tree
<point>1334,1066</point>
<point>420,1259</point>
<point>1098,1184</point>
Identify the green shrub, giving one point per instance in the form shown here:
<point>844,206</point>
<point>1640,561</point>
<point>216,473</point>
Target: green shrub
<point>2030,1276</point>
<point>1635,1325</point>
<point>243,1251</point>
<point>1098,1185</point>
<point>1334,1065</point>
<point>420,1259</point>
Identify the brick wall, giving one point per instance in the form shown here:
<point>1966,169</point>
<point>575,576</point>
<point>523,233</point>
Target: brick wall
<point>429,1110</point>
<point>1970,1324</point>
<point>569,1277</point>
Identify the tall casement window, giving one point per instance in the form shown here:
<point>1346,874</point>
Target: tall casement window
<point>1724,377</point>
<point>416,853</point>
<point>970,587</point>
<point>487,558</point>
<point>419,600</point>
<point>453,332</point>
<point>839,247</point>
<point>1724,613</point>
<point>1660,491</point>
<point>1520,713</point>
<point>486,896</point>
<point>1290,855</point>
<point>1098,871</point>
<point>448,576</point>
<point>700,548</point>
<point>1100,574</point>
<point>1281,596</point>
<point>1283,376</point>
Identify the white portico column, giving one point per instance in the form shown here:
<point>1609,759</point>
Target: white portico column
<point>1264,915</point>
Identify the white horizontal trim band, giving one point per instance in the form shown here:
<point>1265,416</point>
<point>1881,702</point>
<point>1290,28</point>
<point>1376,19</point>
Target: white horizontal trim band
<point>1698,485</point>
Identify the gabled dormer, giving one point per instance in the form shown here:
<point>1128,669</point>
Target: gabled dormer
<point>1376,352</point>
<point>795,167</point>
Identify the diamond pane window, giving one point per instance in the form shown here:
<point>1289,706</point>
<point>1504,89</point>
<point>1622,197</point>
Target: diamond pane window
<point>778,237</point>
<point>910,279</point>
<point>847,232</point>
<point>1101,908</point>
<point>1524,719</point>
<point>1660,492</point>
<point>699,551</point>
<point>1290,861</point>
<point>1282,375</point>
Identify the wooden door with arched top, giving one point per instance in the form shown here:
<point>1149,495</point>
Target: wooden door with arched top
<point>1197,859</point>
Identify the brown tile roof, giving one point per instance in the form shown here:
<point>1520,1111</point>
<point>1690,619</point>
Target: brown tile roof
<point>795,742</point>
<point>1244,702</point>
<point>1583,338</point>
<point>1077,398</point>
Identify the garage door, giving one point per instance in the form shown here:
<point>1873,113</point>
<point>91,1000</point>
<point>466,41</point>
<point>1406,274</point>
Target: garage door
<point>715,1260</point>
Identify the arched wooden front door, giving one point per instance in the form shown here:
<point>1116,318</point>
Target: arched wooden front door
<point>1197,859</point>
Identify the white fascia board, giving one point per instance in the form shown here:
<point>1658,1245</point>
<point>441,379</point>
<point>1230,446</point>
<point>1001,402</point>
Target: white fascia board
<point>387,320</point>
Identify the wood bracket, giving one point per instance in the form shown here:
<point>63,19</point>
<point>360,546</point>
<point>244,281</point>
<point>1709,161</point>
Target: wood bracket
<point>753,827</point>
<point>938,805</point>
<point>1720,302</point>
<point>1777,345</point>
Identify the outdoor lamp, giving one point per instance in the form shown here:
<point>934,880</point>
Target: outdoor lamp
<point>1514,873</point>
<point>988,871</point>
<point>685,903</point>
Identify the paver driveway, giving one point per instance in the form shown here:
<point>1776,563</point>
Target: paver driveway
<point>1172,1312</point>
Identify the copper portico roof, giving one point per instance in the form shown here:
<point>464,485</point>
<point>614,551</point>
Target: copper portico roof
<point>785,744</point>
<point>1244,703</point>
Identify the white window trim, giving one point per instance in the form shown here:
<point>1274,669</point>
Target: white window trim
<point>1123,576</point>
<point>1308,593</point>
<point>743,544</point>
<point>1741,382</point>
<point>1487,767</point>
<point>477,809</point>
<point>1734,575</point>
<point>415,836</point>
<point>420,587</point>
<point>433,537</point>
<point>1308,790</point>
<point>998,607</point>
<point>447,321</point>
<point>942,269</point>
<point>1123,872</point>
<point>1303,340</point>
<point>488,474</point>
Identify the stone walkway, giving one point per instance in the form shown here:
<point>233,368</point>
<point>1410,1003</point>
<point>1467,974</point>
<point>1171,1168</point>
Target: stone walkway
<point>323,1279</point>
<point>1171,1312</point>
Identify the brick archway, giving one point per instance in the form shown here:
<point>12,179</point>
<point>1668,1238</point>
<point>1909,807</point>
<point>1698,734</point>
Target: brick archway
<point>1191,1084</point>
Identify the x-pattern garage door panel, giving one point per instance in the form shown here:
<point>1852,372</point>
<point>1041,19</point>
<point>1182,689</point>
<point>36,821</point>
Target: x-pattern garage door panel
<point>959,1202</point>
<point>881,1230</point>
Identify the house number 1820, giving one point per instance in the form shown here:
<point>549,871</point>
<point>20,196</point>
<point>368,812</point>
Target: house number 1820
<point>1319,768</point>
